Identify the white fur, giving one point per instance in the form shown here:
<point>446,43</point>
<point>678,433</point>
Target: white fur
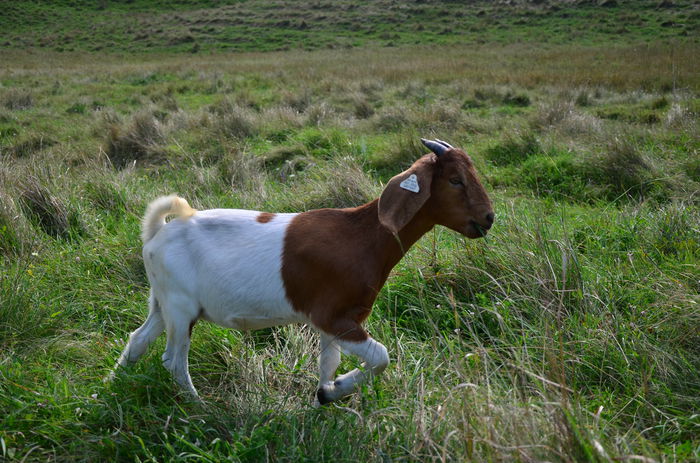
<point>221,265</point>
<point>374,354</point>
<point>224,262</point>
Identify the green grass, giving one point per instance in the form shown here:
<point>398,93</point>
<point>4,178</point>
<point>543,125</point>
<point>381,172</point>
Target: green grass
<point>570,334</point>
<point>202,26</point>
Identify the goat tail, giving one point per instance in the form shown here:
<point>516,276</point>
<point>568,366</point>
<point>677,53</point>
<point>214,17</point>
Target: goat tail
<point>154,219</point>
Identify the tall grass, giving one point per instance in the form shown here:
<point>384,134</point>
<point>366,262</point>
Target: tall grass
<point>569,334</point>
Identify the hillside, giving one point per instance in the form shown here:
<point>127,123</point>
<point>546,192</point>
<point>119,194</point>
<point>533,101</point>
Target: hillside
<point>195,26</point>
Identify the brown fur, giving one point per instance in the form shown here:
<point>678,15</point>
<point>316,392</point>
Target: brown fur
<point>335,261</point>
<point>265,217</point>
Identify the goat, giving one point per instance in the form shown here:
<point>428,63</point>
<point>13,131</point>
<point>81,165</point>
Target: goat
<point>249,270</point>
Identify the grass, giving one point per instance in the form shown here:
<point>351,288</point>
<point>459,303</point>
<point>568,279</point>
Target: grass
<point>570,334</point>
<point>197,26</point>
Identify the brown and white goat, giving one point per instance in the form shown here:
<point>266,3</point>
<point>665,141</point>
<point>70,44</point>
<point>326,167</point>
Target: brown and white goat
<point>250,270</point>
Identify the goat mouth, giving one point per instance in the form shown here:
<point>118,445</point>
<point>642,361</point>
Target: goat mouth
<point>480,231</point>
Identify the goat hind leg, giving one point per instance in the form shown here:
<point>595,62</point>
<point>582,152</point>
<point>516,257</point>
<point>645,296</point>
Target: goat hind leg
<point>376,359</point>
<point>328,364</point>
<point>176,353</point>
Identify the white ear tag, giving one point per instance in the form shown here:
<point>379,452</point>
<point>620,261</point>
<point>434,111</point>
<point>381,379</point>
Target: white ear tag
<point>410,183</point>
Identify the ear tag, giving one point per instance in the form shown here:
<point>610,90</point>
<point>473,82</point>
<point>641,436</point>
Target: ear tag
<point>410,183</point>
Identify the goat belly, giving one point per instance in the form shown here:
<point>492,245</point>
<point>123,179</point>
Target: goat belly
<point>227,262</point>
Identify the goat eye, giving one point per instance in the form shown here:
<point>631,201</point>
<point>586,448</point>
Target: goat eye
<point>455,181</point>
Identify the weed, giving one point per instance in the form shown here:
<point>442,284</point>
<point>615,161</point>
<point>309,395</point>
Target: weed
<point>552,114</point>
<point>676,231</point>
<point>277,156</point>
<point>298,101</point>
<point>557,177</point>
<point>320,114</point>
<point>516,99</point>
<point>659,103</point>
<point>678,116</point>
<point>566,118</point>
<point>692,169</point>
<point>583,98</point>
<point>279,122</point>
<point>637,114</point>
<point>241,172</point>
<point>439,117</point>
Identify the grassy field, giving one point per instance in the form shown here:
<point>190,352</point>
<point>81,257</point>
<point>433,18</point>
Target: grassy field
<point>571,333</point>
<point>216,25</point>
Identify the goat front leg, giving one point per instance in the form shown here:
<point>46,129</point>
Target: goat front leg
<point>375,360</point>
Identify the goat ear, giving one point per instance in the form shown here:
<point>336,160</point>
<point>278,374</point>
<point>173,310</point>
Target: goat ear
<point>406,193</point>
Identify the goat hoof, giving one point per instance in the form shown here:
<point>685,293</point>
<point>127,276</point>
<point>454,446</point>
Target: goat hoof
<point>323,397</point>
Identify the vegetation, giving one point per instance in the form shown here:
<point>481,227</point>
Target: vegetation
<point>570,333</point>
<point>215,25</point>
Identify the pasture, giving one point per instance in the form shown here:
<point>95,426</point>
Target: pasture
<point>571,333</point>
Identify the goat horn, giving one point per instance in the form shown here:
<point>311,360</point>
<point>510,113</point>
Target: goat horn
<point>444,143</point>
<point>434,146</point>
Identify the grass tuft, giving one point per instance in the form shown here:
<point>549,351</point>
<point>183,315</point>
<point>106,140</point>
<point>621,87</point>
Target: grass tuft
<point>29,145</point>
<point>514,148</point>
<point>139,141</point>
<point>106,196</point>
<point>12,237</point>
<point>403,150</point>
<point>623,169</point>
<point>392,119</point>
<point>232,120</point>
<point>17,99</point>
<point>564,116</point>
<point>340,183</point>
<point>362,107</point>
<point>47,211</point>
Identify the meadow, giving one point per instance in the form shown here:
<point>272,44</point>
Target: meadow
<point>194,26</point>
<point>571,333</point>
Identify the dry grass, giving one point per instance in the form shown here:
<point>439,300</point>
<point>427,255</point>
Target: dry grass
<point>342,183</point>
<point>45,210</point>
<point>233,120</point>
<point>626,168</point>
<point>138,141</point>
<point>16,99</point>
<point>563,66</point>
<point>11,232</point>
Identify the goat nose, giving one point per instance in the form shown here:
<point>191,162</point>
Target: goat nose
<point>490,217</point>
